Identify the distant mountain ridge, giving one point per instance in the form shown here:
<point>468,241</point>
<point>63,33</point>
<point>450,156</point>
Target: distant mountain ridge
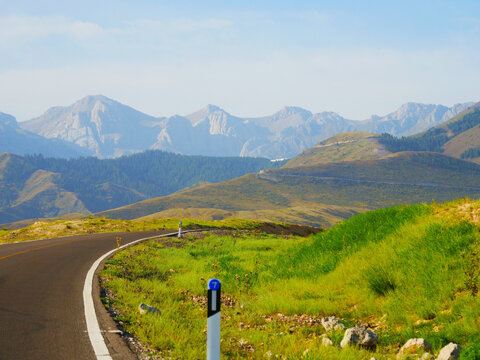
<point>110,129</point>
<point>16,140</point>
<point>101,125</point>
<point>458,137</point>
<point>405,122</point>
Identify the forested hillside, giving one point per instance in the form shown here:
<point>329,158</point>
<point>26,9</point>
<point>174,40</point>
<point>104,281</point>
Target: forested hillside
<point>438,138</point>
<point>151,173</point>
<point>103,184</point>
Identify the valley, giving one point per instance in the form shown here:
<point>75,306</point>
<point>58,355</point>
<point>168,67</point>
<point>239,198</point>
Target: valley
<point>350,196</point>
<point>38,187</point>
<point>346,174</point>
<point>271,180</point>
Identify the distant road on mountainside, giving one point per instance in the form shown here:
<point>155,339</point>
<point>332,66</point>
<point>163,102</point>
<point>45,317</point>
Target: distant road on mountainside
<point>41,297</point>
<point>266,176</point>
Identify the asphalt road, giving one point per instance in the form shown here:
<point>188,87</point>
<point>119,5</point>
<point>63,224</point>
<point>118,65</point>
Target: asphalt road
<point>41,304</point>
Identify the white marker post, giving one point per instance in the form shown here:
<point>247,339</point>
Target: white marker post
<point>180,229</point>
<point>213,320</point>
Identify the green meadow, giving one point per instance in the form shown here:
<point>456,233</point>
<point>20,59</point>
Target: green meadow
<point>403,272</point>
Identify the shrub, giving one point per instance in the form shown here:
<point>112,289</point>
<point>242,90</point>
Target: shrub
<point>379,280</point>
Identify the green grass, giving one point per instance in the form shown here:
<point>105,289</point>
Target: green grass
<point>57,228</point>
<point>406,271</point>
<point>347,238</point>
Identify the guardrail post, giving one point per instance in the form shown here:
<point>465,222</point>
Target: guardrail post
<point>180,229</point>
<point>213,319</point>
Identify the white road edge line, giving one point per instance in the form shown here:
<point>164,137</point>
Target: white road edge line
<point>93,328</point>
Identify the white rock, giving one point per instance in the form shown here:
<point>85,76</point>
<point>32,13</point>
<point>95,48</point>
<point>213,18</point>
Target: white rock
<point>358,336</point>
<point>413,346</point>
<point>450,352</point>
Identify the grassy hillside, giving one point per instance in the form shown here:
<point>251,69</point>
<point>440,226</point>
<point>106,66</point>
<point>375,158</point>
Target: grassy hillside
<point>465,145</point>
<point>342,147</point>
<point>403,272</point>
<point>320,195</point>
<point>405,167</point>
<point>58,228</point>
<point>38,187</point>
<point>457,137</point>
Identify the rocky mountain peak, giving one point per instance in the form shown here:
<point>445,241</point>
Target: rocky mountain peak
<point>97,123</point>
<point>212,108</point>
<point>209,112</point>
<point>412,107</point>
<point>292,110</point>
<point>92,99</point>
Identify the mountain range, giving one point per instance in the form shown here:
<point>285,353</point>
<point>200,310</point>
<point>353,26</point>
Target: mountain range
<point>16,140</point>
<point>343,175</point>
<point>105,128</point>
<point>337,177</point>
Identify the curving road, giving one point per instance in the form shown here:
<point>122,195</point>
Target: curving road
<point>41,305</point>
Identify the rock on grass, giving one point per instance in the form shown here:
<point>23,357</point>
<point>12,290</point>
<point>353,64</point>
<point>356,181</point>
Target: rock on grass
<point>358,336</point>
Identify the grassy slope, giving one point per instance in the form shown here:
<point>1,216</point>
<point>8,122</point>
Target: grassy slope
<point>419,283</point>
<point>30,193</point>
<point>464,141</point>
<point>245,197</point>
<point>40,196</point>
<point>404,167</point>
<point>343,147</point>
<point>347,136</point>
<point>307,213</point>
<point>467,139</point>
<point>320,195</point>
<point>57,228</point>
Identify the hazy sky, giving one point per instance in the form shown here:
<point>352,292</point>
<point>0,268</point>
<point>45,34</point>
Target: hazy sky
<point>249,57</point>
